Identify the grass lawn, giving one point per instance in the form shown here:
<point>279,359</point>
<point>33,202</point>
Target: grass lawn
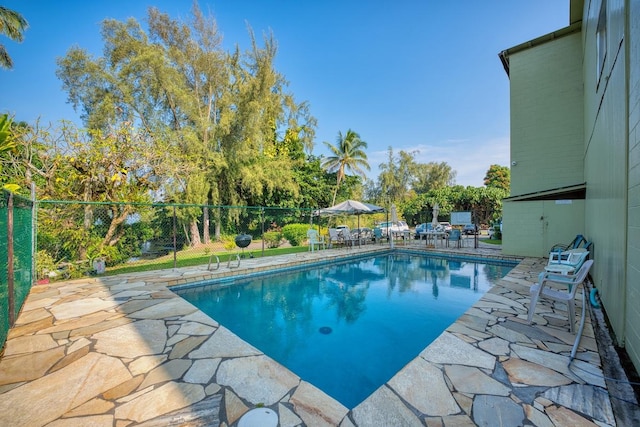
<point>185,259</point>
<point>492,241</point>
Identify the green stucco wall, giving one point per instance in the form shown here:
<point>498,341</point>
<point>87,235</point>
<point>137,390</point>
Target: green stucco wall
<point>606,165</point>
<point>633,209</point>
<point>532,228</point>
<point>547,128</point>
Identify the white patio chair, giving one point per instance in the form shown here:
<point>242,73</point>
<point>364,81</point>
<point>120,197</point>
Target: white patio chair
<point>572,282</point>
<point>315,240</point>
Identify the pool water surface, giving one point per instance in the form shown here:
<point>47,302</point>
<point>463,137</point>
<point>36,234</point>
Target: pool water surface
<point>348,328</point>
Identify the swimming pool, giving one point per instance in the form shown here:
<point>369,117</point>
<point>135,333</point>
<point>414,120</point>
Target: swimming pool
<point>348,328</point>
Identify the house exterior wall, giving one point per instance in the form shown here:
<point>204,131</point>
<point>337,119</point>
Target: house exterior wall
<point>632,332</point>
<point>547,141</point>
<point>610,146</point>
<point>606,168</point>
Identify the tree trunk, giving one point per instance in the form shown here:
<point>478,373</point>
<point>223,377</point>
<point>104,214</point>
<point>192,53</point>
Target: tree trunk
<point>195,233</point>
<point>112,237</point>
<point>205,225</point>
<point>217,215</point>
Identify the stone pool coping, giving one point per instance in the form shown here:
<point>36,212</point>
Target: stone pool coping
<point>125,350</point>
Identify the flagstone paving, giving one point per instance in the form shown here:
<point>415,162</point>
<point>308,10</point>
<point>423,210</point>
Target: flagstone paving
<point>125,350</point>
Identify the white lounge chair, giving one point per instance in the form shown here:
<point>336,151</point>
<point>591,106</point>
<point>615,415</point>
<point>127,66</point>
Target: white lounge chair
<point>572,282</point>
<point>566,262</point>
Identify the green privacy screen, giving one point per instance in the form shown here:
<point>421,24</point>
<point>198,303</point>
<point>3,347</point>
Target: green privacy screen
<point>16,233</point>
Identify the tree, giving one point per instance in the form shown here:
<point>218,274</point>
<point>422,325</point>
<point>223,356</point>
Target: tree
<point>217,116</point>
<point>119,165</point>
<point>12,25</point>
<point>397,176</point>
<point>348,154</point>
<point>433,176</point>
<point>498,177</point>
<point>401,177</point>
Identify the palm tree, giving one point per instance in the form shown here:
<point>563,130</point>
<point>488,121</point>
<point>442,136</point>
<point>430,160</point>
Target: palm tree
<point>12,25</point>
<point>348,153</point>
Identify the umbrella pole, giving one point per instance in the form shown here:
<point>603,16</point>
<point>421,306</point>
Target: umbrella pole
<point>389,237</point>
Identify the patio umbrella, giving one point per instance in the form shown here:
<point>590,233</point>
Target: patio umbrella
<point>436,209</point>
<point>350,207</point>
<point>394,220</point>
<point>394,213</point>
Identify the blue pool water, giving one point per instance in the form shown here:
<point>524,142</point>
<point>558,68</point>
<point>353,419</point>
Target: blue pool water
<point>348,328</point>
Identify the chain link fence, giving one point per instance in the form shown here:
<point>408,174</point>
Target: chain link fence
<point>76,239</point>
<point>16,253</point>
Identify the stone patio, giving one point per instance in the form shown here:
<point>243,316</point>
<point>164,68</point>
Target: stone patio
<point>125,350</point>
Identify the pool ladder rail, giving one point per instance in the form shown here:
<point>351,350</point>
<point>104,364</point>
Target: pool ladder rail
<point>232,258</point>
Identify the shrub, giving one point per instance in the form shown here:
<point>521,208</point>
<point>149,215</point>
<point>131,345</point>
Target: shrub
<point>295,233</point>
<point>44,264</point>
<point>497,234</point>
<point>272,238</point>
<point>229,242</point>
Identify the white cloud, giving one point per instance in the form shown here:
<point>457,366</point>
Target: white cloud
<point>469,158</point>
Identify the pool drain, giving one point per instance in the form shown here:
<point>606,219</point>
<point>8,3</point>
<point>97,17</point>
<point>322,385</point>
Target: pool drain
<point>325,330</point>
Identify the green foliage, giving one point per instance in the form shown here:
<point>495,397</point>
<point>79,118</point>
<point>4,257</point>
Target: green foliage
<point>498,177</point>
<point>229,242</point>
<point>295,233</point>
<point>44,263</point>
<point>401,178</point>
<point>272,238</point>
<point>314,182</point>
<point>6,141</point>
<point>433,176</point>
<point>485,204</point>
<point>12,25</point>
<point>497,233</point>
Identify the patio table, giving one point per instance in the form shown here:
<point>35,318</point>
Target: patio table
<point>405,234</point>
<point>433,236</point>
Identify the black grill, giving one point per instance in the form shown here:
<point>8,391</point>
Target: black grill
<point>243,240</point>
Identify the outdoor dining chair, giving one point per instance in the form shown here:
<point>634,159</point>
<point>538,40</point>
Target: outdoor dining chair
<point>315,240</point>
<point>334,237</point>
<point>454,236</point>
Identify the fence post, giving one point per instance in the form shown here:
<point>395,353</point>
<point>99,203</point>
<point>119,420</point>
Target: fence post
<point>11,297</point>
<point>477,230</point>
<point>262,227</point>
<point>175,244</point>
<point>34,233</point>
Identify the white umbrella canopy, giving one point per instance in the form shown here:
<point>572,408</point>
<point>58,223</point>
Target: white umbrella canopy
<point>352,207</point>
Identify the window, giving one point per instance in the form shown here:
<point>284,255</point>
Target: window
<point>601,39</point>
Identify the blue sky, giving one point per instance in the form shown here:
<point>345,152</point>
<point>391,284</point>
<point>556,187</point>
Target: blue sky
<point>413,75</point>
